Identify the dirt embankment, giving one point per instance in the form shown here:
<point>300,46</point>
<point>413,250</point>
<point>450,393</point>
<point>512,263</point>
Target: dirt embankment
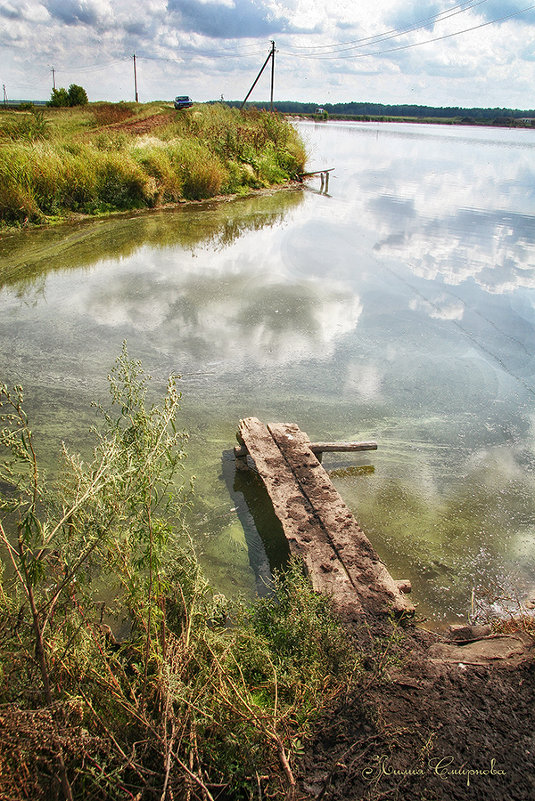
<point>142,126</point>
<point>434,719</point>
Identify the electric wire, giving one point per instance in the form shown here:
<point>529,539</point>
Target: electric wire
<point>413,44</point>
<point>93,67</point>
<point>204,52</point>
<point>416,26</point>
<point>331,51</point>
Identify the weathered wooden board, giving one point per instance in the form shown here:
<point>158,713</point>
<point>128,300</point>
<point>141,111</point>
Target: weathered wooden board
<point>368,574</point>
<point>323,447</point>
<point>339,558</point>
<point>342,447</point>
<point>305,534</point>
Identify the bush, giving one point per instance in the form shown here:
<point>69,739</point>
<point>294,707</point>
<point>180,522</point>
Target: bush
<point>159,162</point>
<point>77,95</point>
<point>110,113</point>
<point>17,201</point>
<point>199,694</point>
<point>59,98</point>
<point>202,173</point>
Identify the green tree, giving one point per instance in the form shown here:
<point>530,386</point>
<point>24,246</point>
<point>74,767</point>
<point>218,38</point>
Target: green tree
<point>59,98</point>
<point>77,95</point>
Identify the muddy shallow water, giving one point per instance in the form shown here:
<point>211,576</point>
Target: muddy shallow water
<point>400,307</point>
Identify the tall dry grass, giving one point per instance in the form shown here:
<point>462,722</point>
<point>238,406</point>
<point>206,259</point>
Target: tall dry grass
<point>95,160</point>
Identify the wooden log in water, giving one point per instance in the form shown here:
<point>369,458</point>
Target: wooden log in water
<point>371,580</point>
<point>306,536</point>
<point>316,172</point>
<point>323,447</point>
<point>340,447</point>
<point>319,527</point>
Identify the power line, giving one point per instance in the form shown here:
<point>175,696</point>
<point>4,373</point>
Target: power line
<point>98,67</point>
<point>205,53</point>
<point>418,25</point>
<point>414,44</point>
<point>271,55</point>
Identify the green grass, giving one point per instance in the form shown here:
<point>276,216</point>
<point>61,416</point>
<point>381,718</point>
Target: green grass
<point>92,160</point>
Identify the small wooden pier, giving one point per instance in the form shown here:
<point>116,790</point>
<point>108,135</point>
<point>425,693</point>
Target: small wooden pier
<point>319,527</point>
<point>324,188</point>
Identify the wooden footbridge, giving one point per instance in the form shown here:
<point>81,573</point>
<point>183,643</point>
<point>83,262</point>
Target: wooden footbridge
<point>320,529</point>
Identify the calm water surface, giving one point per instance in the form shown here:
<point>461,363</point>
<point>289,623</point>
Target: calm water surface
<point>399,307</point>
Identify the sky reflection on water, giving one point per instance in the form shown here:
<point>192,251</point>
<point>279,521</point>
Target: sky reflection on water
<point>400,307</point>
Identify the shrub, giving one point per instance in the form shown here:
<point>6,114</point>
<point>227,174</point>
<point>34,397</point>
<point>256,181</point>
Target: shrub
<point>17,201</point>
<point>269,169</point>
<point>30,127</point>
<point>202,173</point>
<point>157,161</point>
<point>200,693</point>
<point>59,98</point>
<point>121,183</point>
<point>111,113</point>
<point>77,95</point>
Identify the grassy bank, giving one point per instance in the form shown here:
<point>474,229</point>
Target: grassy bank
<point>114,157</point>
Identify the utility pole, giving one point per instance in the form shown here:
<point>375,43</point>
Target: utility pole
<point>135,79</point>
<point>53,71</point>
<point>272,71</point>
<point>5,94</point>
<point>271,55</point>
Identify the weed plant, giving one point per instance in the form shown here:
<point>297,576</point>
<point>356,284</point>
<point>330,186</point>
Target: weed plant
<point>167,691</point>
<point>95,160</point>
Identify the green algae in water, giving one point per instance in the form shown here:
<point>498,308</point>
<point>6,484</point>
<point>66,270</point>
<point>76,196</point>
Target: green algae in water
<point>394,310</point>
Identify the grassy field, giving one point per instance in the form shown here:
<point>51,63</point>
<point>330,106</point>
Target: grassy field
<point>105,157</point>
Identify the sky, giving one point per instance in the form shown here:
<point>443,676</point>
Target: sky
<point>427,52</point>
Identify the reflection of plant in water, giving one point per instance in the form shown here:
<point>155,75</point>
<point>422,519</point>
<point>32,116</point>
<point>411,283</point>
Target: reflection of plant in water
<point>352,470</point>
<point>70,247</point>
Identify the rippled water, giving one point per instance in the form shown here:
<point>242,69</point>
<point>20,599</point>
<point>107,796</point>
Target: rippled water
<point>399,307</point>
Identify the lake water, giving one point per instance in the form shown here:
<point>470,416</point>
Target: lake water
<point>399,307</point>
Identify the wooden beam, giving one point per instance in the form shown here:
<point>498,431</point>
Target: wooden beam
<point>316,172</point>
<point>319,527</point>
<point>323,447</point>
<point>372,582</point>
<point>338,447</point>
<point>306,536</point>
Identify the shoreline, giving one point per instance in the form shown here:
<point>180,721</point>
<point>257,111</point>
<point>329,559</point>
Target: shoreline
<point>77,218</point>
<point>405,120</point>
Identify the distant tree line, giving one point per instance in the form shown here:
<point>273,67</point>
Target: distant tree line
<point>355,109</point>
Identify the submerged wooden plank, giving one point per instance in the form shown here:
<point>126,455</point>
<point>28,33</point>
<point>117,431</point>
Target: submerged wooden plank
<point>305,533</point>
<point>342,447</point>
<point>323,447</point>
<point>369,576</point>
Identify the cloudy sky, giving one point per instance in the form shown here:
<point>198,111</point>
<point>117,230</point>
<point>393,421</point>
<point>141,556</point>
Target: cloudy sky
<point>434,52</point>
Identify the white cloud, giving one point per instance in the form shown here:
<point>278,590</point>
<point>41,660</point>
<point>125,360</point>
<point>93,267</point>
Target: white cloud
<point>217,46</point>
